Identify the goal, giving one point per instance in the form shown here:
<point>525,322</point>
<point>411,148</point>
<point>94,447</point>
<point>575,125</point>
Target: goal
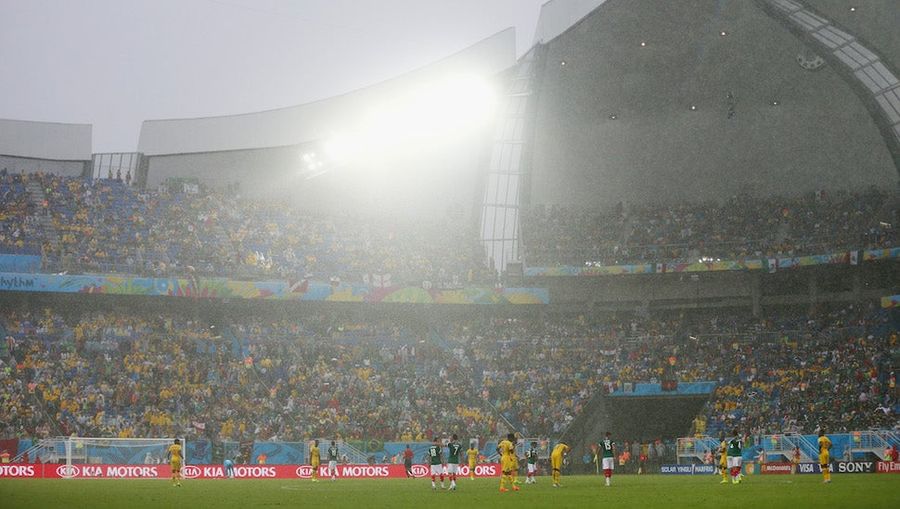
<point>115,451</point>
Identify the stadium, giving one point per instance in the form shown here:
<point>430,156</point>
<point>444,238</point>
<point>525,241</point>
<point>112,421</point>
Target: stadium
<point>650,261</point>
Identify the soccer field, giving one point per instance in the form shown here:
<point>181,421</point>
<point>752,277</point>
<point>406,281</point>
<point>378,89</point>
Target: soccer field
<point>652,491</point>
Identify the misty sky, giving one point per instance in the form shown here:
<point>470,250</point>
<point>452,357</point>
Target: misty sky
<point>115,63</point>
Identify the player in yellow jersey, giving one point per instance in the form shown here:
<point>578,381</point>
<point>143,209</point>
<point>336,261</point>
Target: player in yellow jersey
<point>314,460</point>
<point>825,456</point>
<point>174,455</point>
<point>723,460</point>
<point>514,463</point>
<point>507,450</point>
<point>556,461</point>
<point>472,453</point>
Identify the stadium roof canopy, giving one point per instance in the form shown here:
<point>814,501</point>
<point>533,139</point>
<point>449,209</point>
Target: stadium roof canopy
<point>642,100</point>
<point>45,140</point>
<point>317,120</point>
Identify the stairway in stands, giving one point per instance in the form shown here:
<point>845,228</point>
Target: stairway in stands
<point>588,427</point>
<point>474,371</point>
<point>36,198</point>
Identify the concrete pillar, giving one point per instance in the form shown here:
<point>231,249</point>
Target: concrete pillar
<point>755,293</point>
<point>813,293</point>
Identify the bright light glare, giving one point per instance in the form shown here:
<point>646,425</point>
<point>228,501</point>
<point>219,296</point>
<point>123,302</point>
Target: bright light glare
<point>430,113</point>
<point>341,148</point>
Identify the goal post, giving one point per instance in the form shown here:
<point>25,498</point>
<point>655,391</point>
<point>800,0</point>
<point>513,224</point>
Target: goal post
<point>118,451</point>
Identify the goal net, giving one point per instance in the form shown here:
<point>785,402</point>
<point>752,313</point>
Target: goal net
<point>115,451</point>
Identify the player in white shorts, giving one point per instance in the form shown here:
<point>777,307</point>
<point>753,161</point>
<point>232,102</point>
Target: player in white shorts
<point>332,460</point>
<point>453,458</point>
<point>436,458</point>
<point>608,453</point>
<point>531,455</point>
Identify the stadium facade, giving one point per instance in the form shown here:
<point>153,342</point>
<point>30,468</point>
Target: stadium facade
<point>614,103</point>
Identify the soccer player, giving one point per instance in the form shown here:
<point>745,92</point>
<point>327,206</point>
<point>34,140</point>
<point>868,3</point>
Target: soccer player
<point>472,453</point>
<point>531,455</point>
<point>608,451</point>
<point>795,460</point>
<point>507,450</point>
<point>229,468</point>
<point>824,456</point>
<point>436,458</point>
<point>174,455</point>
<point>314,460</point>
<point>407,461</point>
<point>453,460</point>
<point>735,446</point>
<point>556,461</point>
<point>723,459</point>
<point>332,460</point>
<point>514,462</point>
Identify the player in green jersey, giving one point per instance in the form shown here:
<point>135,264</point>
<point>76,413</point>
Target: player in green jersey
<point>531,455</point>
<point>453,460</point>
<point>436,458</point>
<point>735,446</point>
<point>332,460</point>
<point>608,453</point>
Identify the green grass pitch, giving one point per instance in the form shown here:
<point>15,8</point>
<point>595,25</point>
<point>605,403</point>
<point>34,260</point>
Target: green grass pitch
<point>651,491</point>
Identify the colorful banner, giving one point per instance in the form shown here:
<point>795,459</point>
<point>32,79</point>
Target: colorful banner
<point>768,264</point>
<point>106,471</point>
<point>629,390</point>
<point>599,270</point>
<point>891,301</point>
<point>881,254</point>
<point>713,266</point>
<point>808,261</point>
<point>211,288</point>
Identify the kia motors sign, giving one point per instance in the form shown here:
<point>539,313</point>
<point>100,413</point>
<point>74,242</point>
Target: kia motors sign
<point>106,471</point>
<point>81,471</point>
<point>13,470</point>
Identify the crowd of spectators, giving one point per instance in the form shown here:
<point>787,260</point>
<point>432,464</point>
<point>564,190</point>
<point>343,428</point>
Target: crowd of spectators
<point>539,374</point>
<point>123,375</point>
<point>108,226</point>
<point>741,227</point>
<point>132,375</point>
<point>834,372</point>
<point>19,232</point>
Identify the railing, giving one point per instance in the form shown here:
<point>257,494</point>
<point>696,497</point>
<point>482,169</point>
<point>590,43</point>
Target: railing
<point>690,448</point>
<point>844,445</point>
<point>353,454</point>
<point>870,442</point>
<point>660,253</point>
<point>36,450</point>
